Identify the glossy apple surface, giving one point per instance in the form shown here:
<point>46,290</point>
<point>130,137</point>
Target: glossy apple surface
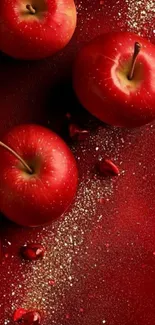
<point>100,79</point>
<point>112,265</point>
<point>40,197</point>
<point>34,29</point>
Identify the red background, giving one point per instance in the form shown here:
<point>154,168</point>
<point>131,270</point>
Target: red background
<point>108,274</point>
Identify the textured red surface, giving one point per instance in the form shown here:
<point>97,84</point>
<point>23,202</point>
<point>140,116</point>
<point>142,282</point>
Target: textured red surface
<point>112,273</point>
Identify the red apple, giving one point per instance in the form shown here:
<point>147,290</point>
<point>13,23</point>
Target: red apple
<point>34,29</point>
<point>114,79</point>
<point>38,179</point>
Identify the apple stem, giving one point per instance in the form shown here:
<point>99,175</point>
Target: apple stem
<point>17,156</point>
<point>137,49</point>
<point>31,9</point>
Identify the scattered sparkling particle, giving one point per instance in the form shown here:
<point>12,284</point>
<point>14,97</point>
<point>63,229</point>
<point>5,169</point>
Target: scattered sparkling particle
<point>140,16</point>
<point>66,238</point>
<point>99,218</point>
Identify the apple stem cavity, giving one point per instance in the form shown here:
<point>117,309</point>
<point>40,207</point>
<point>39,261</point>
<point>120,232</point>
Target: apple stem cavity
<point>137,49</point>
<point>30,171</point>
<point>32,10</point>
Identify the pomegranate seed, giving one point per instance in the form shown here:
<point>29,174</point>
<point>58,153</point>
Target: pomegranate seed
<point>32,252</point>
<point>28,318</point>
<point>107,168</point>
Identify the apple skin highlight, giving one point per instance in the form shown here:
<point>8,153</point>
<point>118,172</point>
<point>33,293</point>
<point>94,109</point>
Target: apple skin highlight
<point>33,199</point>
<point>101,83</point>
<point>36,29</point>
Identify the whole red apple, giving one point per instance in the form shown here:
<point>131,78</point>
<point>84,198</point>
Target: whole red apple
<point>38,175</point>
<point>34,29</point>
<point>114,79</point>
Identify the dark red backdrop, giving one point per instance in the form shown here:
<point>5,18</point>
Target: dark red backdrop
<point>100,262</point>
